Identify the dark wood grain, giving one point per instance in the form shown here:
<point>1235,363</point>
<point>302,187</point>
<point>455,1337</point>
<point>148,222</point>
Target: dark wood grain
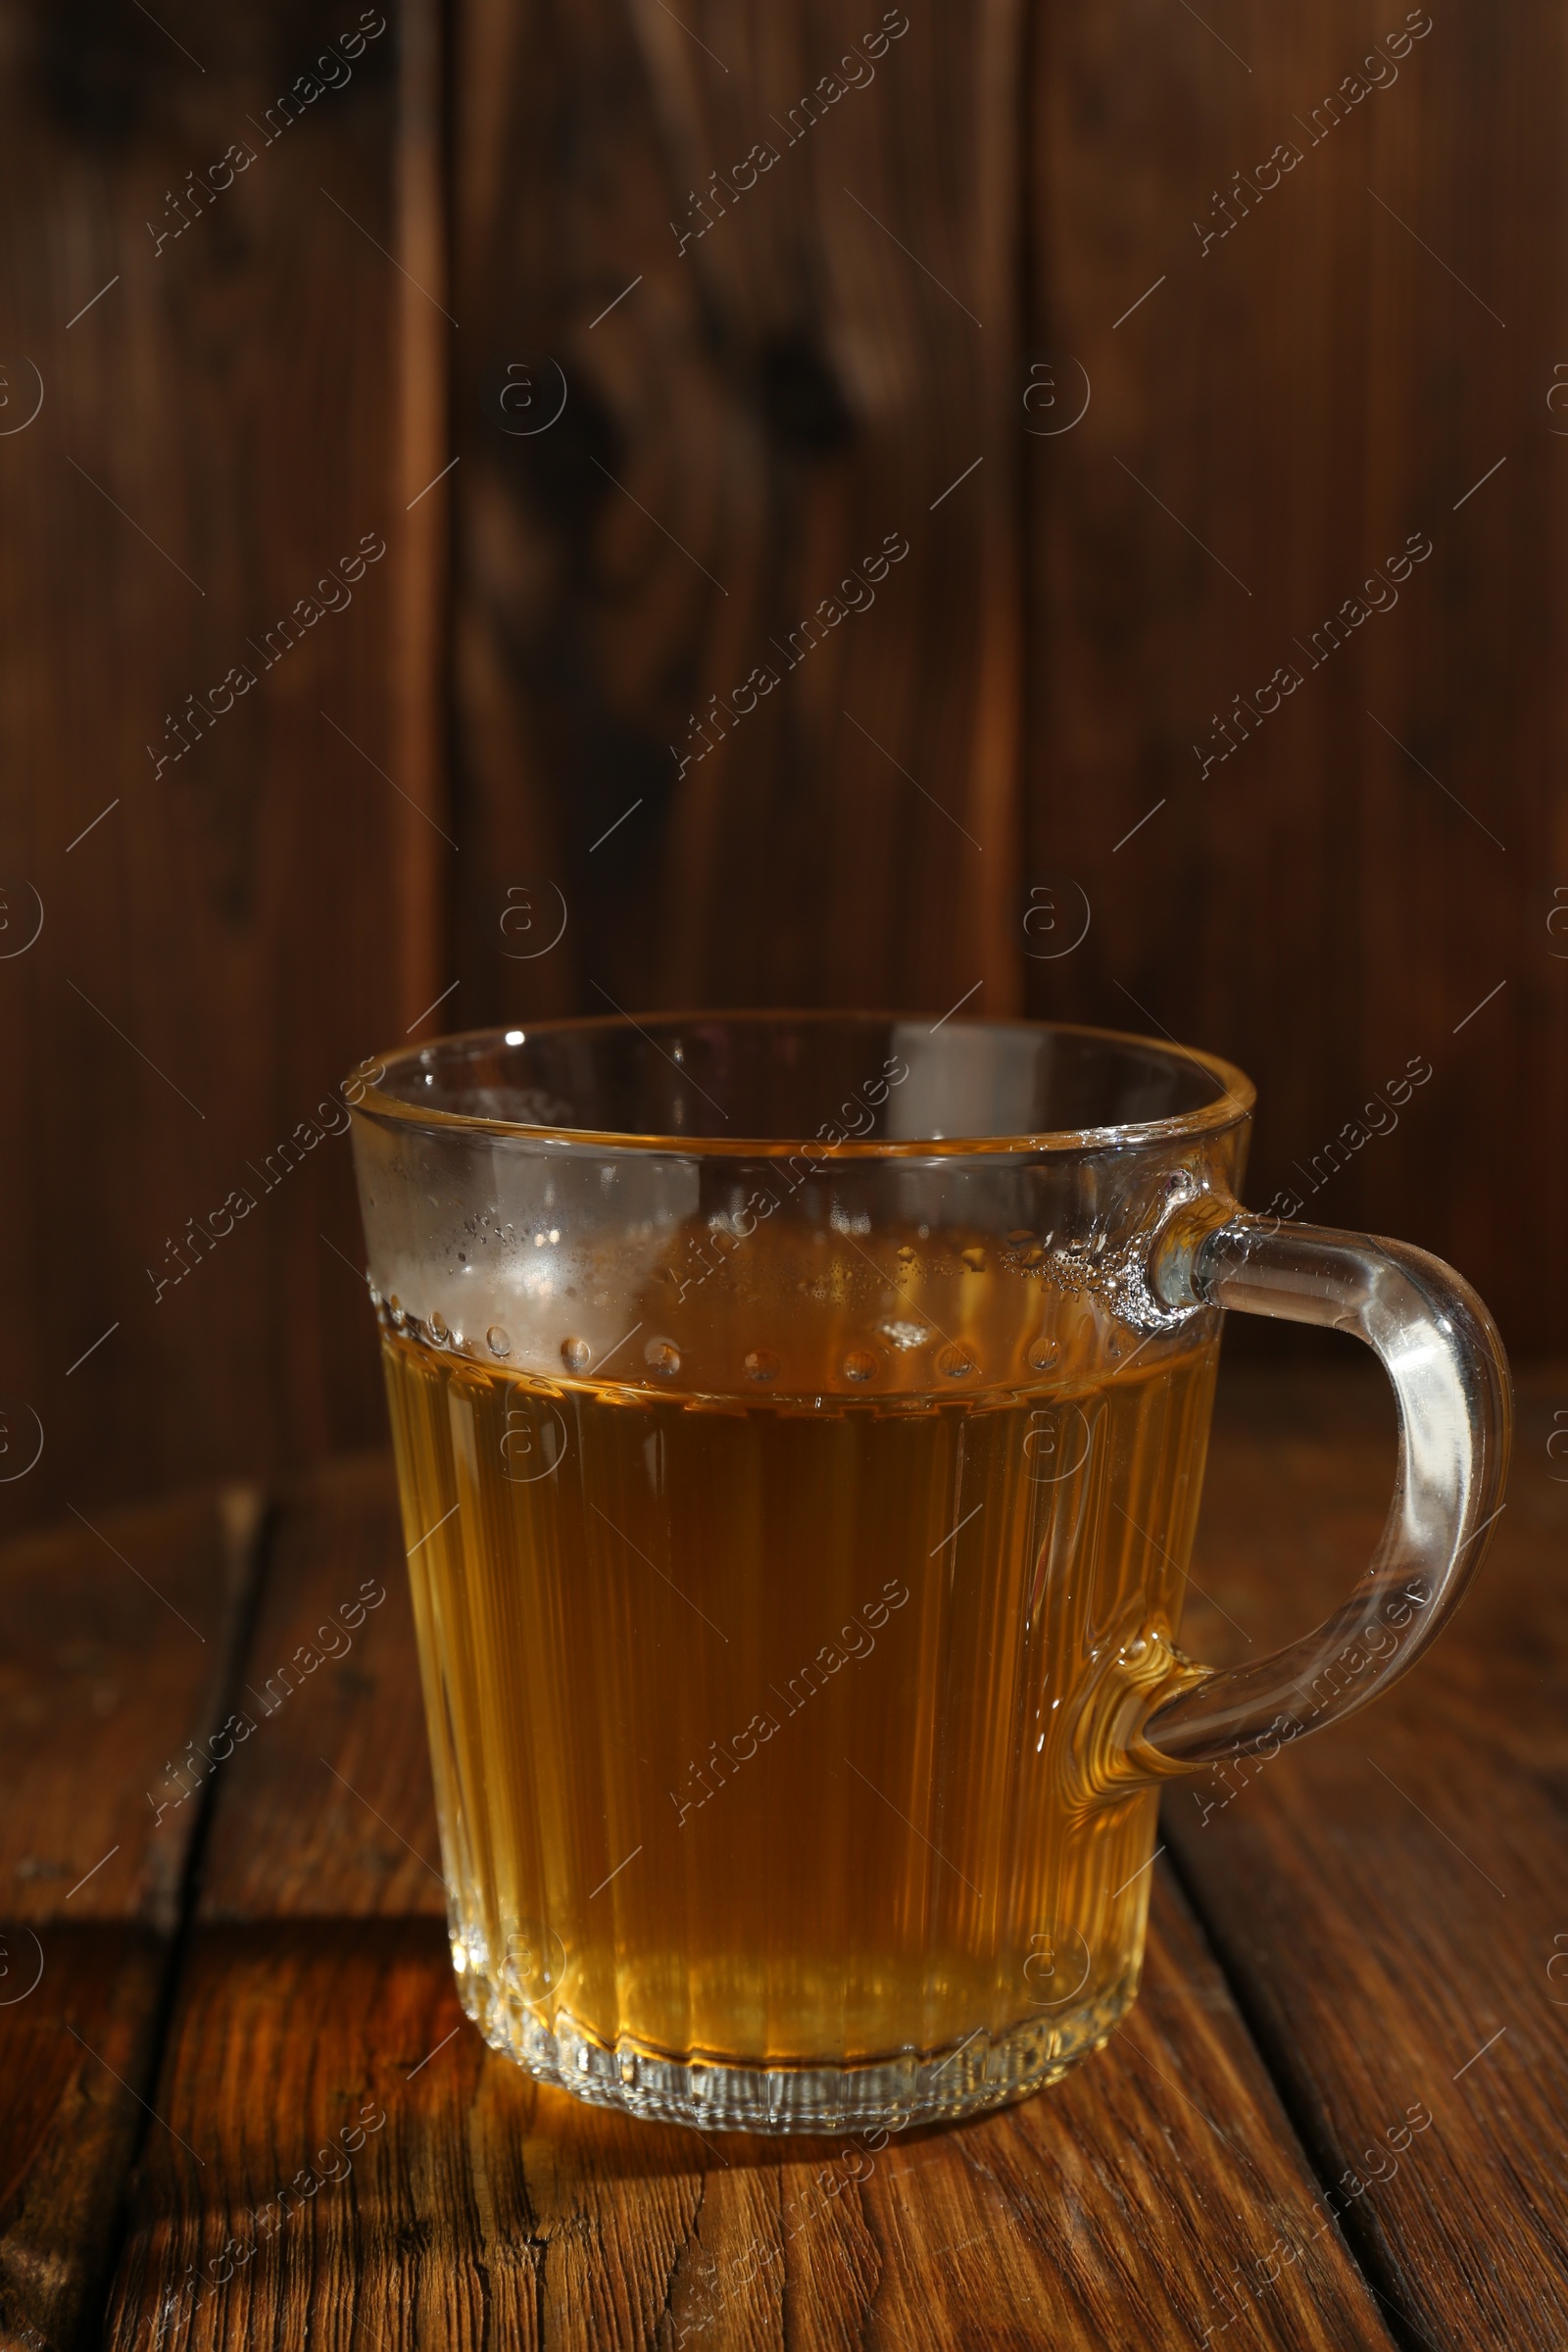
<point>240,402</point>
<point>423,330</point>
<point>1327,377</point>
<point>216,435</point>
<point>78,2054</point>
<point>327,1807</point>
<point>1117,2208</point>
<point>117,1642</point>
<point>238,405</point>
<point>1385,1899</point>
<point>1473,354</point>
<point>766,404</point>
<point>116,1648</point>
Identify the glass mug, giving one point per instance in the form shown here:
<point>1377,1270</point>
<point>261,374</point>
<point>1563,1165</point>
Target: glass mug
<point>799,1423</point>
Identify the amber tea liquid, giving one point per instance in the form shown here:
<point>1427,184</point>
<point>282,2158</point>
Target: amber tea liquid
<point>754,1718</point>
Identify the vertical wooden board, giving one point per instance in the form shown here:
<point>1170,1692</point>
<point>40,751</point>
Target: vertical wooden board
<point>221,937</point>
<point>759,386</point>
<point>1464,801</point>
<point>1300,393</point>
<point>422,887</point>
<point>1385,1898</point>
<point>1181,537</point>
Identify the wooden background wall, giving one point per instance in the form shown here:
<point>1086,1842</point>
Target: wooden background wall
<point>885,335</point>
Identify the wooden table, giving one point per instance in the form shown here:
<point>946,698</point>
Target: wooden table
<point>1337,2116</point>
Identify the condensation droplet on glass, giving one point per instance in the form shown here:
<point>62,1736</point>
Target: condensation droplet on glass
<point>956,1362</point>
<point>577,1354</point>
<point>438,1328</point>
<point>1042,1353</point>
<point>1018,1237</point>
<point>908,1255</point>
<point>761,1364</point>
<point>859,1364</point>
<point>974,1261</point>
<point>398,1312</point>
<point>662,1357</point>
<point>375,1296</point>
<point>498,1341</point>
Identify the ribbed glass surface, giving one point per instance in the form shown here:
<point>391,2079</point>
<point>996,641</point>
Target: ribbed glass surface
<point>758,1720</point>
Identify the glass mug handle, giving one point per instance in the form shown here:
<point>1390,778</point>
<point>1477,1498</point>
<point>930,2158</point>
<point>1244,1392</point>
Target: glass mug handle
<point>1441,1351</point>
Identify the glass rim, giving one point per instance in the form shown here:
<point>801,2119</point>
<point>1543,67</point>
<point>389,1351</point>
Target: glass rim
<point>1233,1103</point>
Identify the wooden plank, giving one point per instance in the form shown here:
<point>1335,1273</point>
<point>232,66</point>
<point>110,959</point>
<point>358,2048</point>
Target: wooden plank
<point>115,1638</point>
<point>482,2207</point>
<point>487,2200</point>
<point>327,1806</point>
<point>1476,183</point>
<point>1385,1898</point>
<point>752,406</point>
<point>424,329</point>
<point>117,1642</point>
<point>1295,398</point>
<point>77,2053</point>
<point>224,930</point>
<point>1177,552</point>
